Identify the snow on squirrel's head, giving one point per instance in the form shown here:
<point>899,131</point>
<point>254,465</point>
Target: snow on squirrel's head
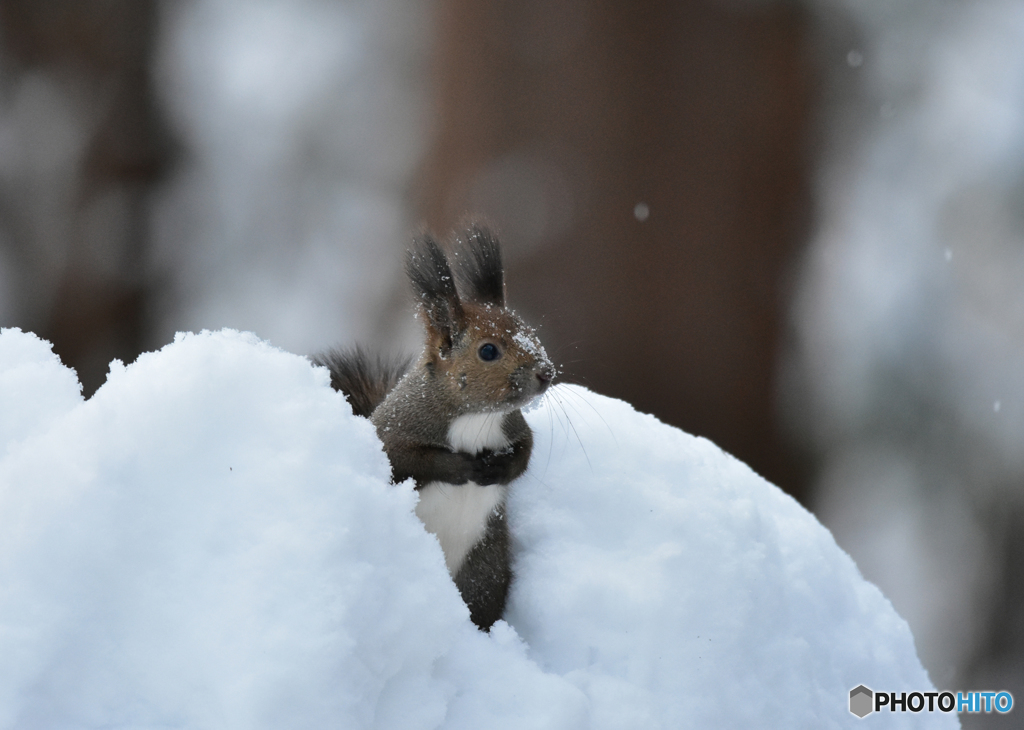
<point>482,352</point>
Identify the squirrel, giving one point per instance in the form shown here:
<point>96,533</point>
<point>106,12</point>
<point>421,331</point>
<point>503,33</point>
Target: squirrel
<point>451,421</point>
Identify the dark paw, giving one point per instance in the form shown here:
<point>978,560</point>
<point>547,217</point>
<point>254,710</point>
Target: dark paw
<point>491,467</point>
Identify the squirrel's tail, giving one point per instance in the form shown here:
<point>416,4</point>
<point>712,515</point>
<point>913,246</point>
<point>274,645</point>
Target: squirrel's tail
<point>364,380</point>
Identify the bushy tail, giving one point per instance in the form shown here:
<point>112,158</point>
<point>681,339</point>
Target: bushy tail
<point>364,380</point>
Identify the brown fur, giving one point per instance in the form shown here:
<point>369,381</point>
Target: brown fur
<point>473,383</point>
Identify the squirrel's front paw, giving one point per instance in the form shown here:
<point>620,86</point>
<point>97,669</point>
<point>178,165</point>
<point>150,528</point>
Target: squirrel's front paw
<point>491,467</point>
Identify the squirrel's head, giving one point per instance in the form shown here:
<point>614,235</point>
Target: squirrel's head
<point>481,351</point>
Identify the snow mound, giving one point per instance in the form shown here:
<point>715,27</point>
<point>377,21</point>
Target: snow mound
<point>211,541</point>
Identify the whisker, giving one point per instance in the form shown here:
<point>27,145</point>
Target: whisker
<point>590,405</point>
<point>551,428</point>
<point>579,440</point>
<point>572,426</point>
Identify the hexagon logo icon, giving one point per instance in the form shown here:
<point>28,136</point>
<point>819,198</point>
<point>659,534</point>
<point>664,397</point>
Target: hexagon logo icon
<point>860,701</point>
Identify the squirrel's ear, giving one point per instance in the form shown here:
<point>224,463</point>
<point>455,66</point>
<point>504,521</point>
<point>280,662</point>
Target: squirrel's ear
<point>434,287</point>
<point>478,265</point>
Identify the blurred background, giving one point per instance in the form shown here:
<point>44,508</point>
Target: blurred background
<point>793,227</point>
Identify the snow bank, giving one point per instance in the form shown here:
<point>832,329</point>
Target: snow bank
<point>211,542</point>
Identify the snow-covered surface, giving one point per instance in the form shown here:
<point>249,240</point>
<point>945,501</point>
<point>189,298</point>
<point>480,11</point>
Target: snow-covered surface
<point>211,541</point>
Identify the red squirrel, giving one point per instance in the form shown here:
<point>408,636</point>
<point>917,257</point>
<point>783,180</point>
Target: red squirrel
<point>451,421</point>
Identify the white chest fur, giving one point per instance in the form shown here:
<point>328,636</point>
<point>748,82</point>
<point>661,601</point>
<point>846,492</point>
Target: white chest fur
<point>476,431</point>
<point>458,513</point>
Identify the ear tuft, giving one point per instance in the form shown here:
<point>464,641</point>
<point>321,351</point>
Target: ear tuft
<point>478,267</point>
<point>434,287</point>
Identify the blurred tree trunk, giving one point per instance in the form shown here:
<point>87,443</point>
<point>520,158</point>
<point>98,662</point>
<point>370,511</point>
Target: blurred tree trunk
<point>77,94</point>
<point>646,166</point>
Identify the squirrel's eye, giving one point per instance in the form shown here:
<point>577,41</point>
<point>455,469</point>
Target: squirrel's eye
<point>489,352</point>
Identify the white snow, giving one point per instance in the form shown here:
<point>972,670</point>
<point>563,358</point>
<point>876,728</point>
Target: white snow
<point>210,541</point>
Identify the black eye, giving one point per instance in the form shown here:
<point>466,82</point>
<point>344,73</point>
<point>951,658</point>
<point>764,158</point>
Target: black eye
<point>489,352</point>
